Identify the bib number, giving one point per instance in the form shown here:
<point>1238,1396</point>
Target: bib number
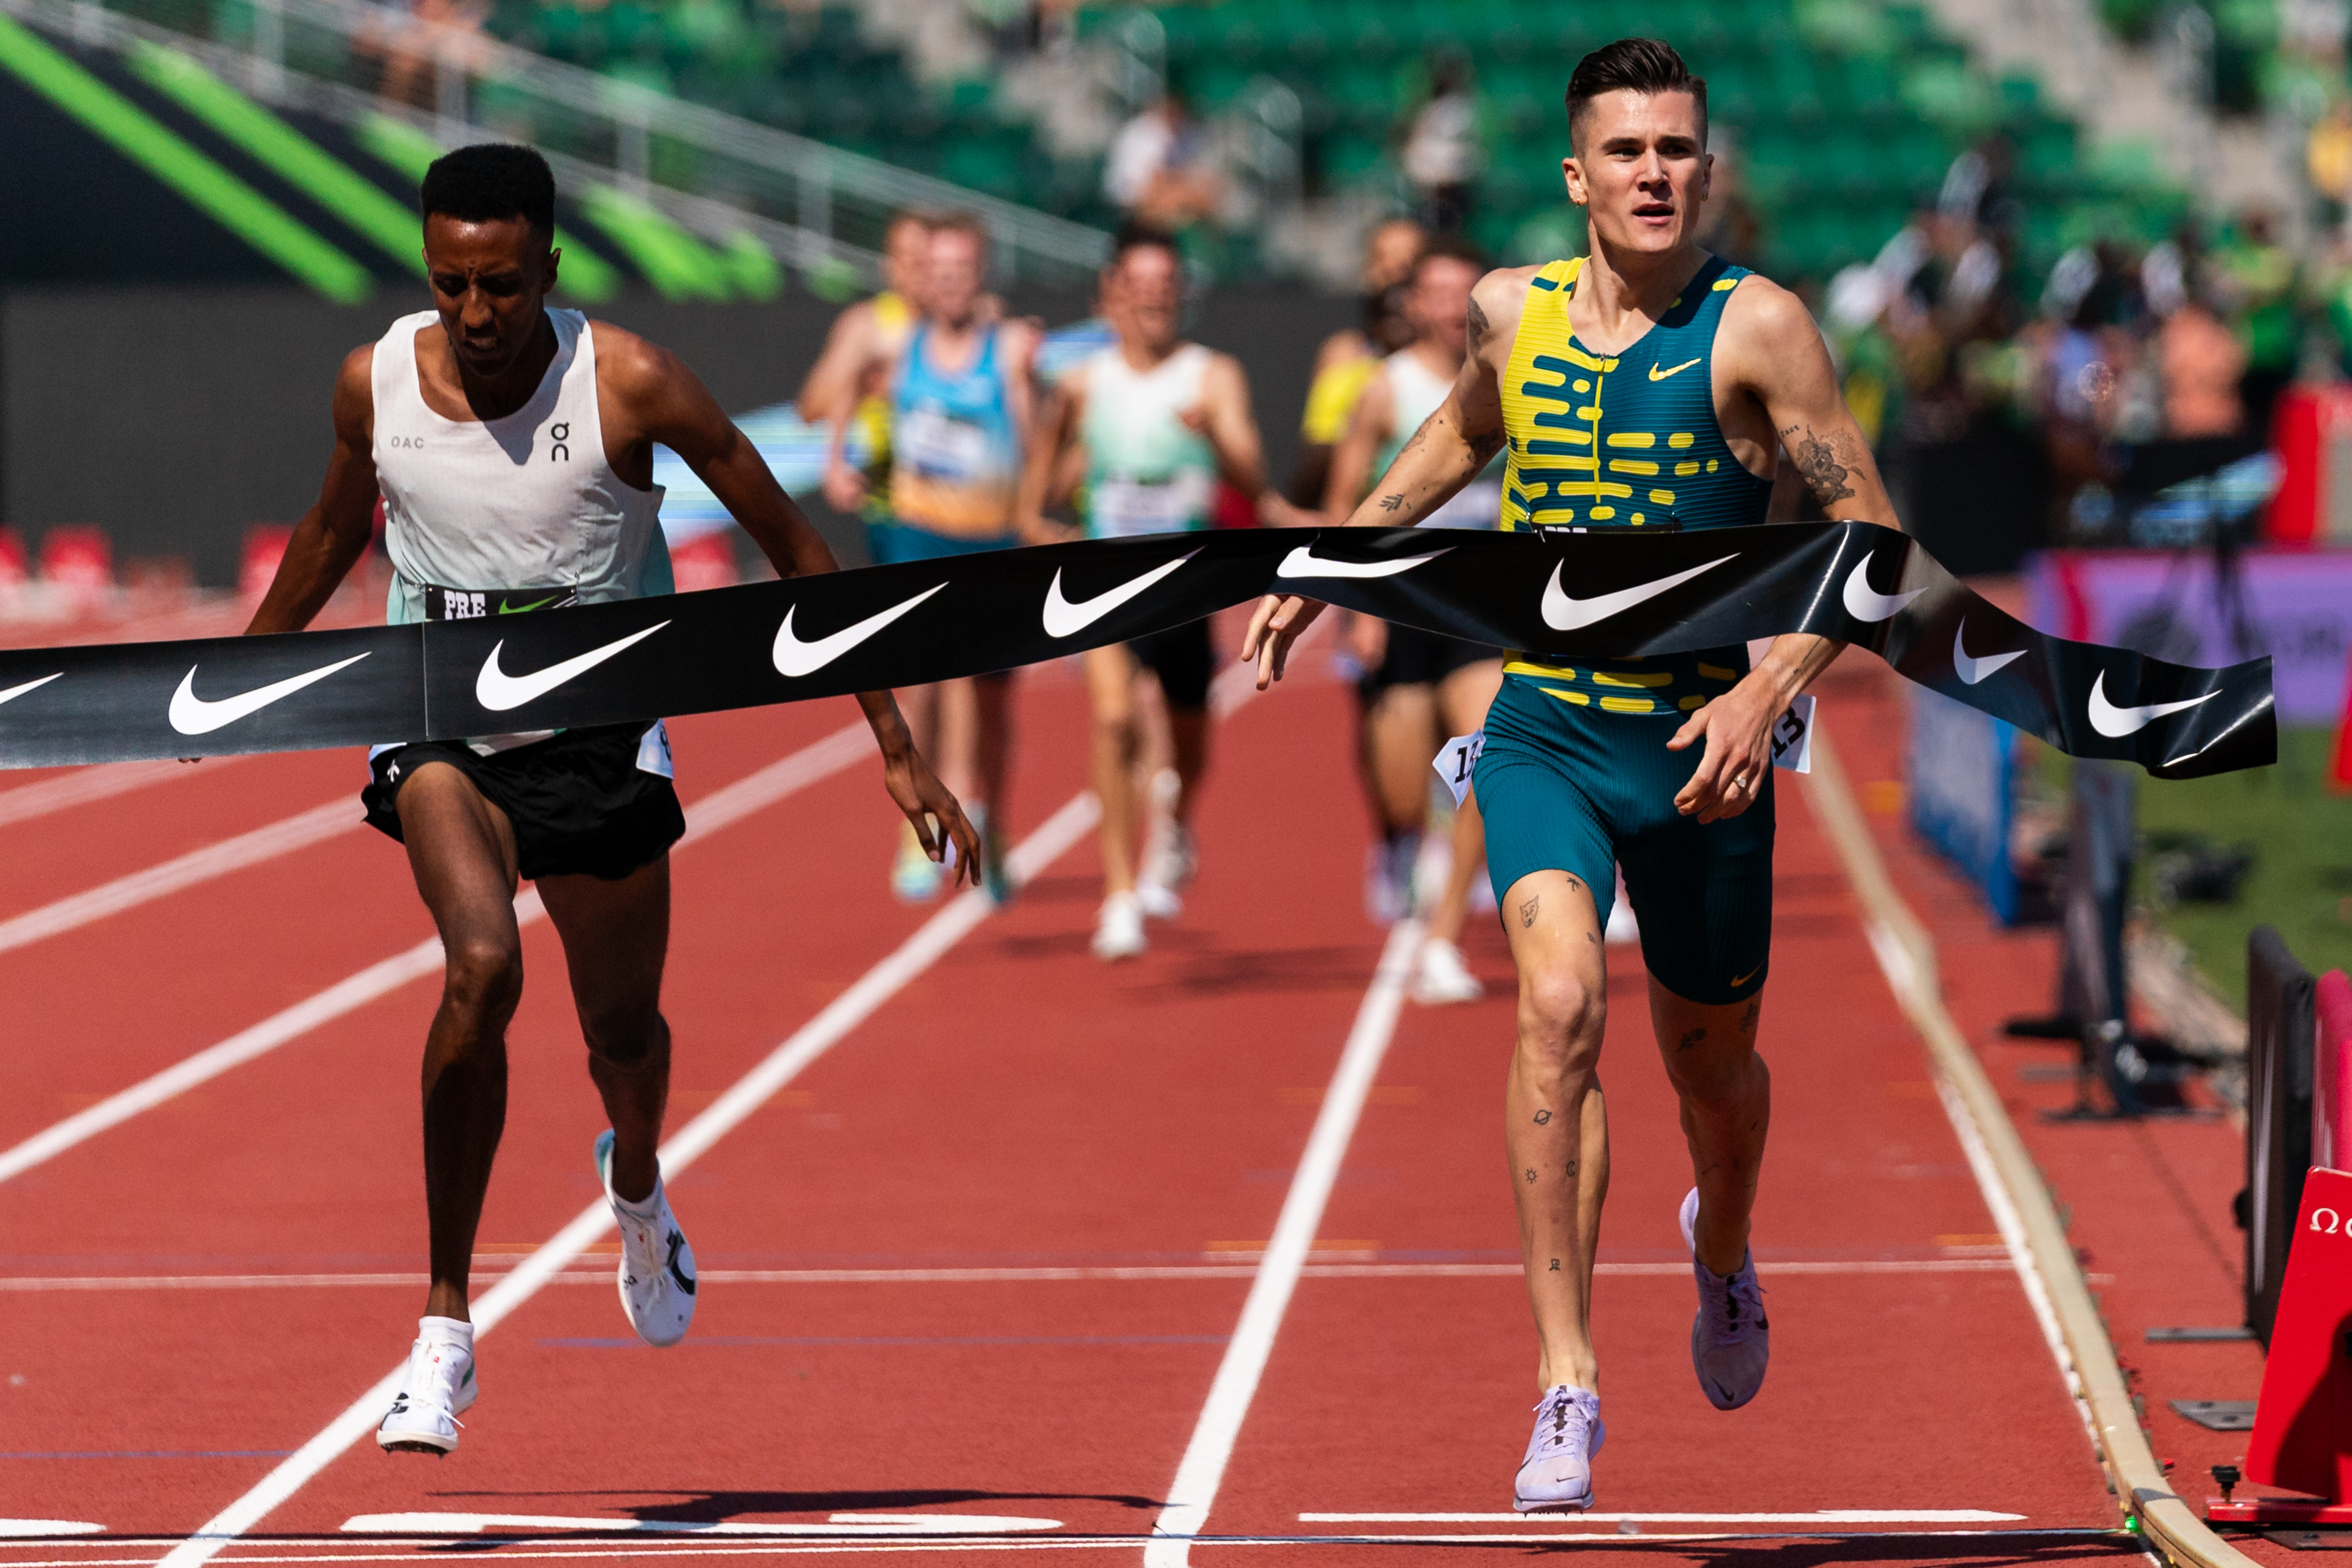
<point>1123,509</point>
<point>1457,760</point>
<point>1792,737</point>
<point>939,445</point>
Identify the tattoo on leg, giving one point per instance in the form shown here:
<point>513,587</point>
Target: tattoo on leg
<point>1555,1262</point>
<point>1527,911</point>
<point>1531,1178</point>
<point>1693,1037</point>
<point>1571,1170</point>
<point>1592,937</point>
<point>1542,1117</point>
<point>1748,1020</point>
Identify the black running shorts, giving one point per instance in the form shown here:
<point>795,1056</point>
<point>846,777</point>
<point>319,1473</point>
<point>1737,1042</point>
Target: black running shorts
<point>1181,657</point>
<point>1418,658</point>
<point>580,803</point>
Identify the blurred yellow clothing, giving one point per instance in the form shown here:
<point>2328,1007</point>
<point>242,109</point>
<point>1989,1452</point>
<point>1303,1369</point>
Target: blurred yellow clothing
<point>1331,400</point>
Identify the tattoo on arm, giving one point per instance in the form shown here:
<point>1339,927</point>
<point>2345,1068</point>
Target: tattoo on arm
<point>1527,912</point>
<point>1393,501</point>
<point>1477,325</point>
<point>1818,466</point>
<point>1485,446</point>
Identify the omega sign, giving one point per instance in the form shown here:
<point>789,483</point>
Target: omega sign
<point>2326,1222</point>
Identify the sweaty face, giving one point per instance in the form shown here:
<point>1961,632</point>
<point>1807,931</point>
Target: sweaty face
<point>1440,303</point>
<point>953,274</point>
<point>489,284</point>
<point>1639,169</point>
<point>1148,287</point>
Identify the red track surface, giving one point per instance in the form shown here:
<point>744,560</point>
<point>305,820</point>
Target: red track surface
<point>1019,1112</point>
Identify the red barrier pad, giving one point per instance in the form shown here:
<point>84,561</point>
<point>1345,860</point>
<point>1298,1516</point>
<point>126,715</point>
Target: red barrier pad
<point>2331,1085</point>
<point>2302,1439</point>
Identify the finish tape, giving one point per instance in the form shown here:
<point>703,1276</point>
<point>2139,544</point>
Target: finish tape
<point>1558,595</point>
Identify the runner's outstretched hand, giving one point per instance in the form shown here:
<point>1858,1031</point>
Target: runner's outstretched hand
<point>1738,729</point>
<point>1278,621</point>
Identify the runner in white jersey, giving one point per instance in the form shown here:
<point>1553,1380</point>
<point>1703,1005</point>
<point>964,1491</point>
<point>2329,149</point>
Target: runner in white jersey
<point>1419,687</point>
<point>512,446</point>
<point>1159,420</point>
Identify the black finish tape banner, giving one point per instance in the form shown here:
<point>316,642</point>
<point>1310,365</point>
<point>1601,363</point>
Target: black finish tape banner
<point>1563,596</point>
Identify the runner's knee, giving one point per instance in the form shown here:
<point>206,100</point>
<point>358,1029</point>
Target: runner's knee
<point>482,979</point>
<point>1560,1018</point>
<point>626,1037</point>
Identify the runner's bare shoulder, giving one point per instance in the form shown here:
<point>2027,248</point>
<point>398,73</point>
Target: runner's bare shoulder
<point>1494,307</point>
<point>1767,332</point>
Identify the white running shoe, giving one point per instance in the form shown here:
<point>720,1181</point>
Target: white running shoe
<point>1168,866</point>
<point>657,1272</point>
<point>439,1387</point>
<point>1731,1343</point>
<point>1118,929</point>
<point>1557,1475</point>
<point>1442,978</point>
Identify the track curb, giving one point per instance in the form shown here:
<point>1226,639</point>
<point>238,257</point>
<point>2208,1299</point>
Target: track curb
<point>1907,954</point>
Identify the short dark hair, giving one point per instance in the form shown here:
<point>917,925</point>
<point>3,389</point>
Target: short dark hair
<point>1632,64</point>
<point>1447,248</point>
<point>1134,236</point>
<point>489,182</point>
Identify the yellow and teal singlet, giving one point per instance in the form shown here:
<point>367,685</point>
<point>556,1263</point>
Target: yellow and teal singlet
<point>1624,440</point>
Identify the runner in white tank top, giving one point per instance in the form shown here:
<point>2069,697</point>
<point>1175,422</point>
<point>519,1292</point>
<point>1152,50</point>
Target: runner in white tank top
<point>513,449</point>
<point>1419,687</point>
<point>1157,420</point>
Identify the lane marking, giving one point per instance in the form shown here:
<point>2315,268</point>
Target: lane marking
<point>931,943</point>
<point>101,781</point>
<point>16,1527</point>
<point>270,842</point>
<point>1203,1469</point>
<point>835,1524</point>
<point>1821,1516</point>
<point>720,808</point>
<point>1042,1274</point>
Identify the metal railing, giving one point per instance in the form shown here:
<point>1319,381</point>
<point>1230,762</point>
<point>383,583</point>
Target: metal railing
<point>720,175</point>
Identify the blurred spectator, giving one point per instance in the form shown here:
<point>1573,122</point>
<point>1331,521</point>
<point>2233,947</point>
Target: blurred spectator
<point>1159,171</point>
<point>2254,282</point>
<point>409,53</point>
<point>1442,155</point>
<point>2202,362</point>
<point>1728,226</point>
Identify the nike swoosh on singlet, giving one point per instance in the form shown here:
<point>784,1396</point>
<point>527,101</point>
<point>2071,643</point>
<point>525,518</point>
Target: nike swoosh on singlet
<point>2115,722</point>
<point>15,692</point>
<point>1865,603</point>
<point>1975,669</point>
<point>1657,374</point>
<point>795,658</point>
<point>519,609</point>
<point>192,715</point>
<point>1304,562</point>
<point>1065,619</point>
<point>496,691</point>
<point>1563,614</point>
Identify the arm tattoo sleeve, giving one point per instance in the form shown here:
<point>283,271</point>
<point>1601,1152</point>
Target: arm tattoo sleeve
<point>1818,466</point>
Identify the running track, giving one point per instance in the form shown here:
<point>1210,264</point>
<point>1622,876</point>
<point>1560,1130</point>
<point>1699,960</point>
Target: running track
<point>1010,1237</point>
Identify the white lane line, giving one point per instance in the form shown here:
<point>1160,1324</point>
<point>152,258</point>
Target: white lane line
<point>102,781</point>
<point>705,816</point>
<point>844,1012</point>
<point>1202,1469</point>
<point>1821,1516</point>
<point>268,842</point>
<point>21,1527</point>
<point>839,1524</point>
<point>1045,1274</point>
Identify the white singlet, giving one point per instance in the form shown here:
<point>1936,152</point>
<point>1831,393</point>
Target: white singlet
<point>525,501</point>
<point>1415,392</point>
<point>1147,470</point>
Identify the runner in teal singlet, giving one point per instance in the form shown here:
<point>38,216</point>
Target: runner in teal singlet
<point>1645,385</point>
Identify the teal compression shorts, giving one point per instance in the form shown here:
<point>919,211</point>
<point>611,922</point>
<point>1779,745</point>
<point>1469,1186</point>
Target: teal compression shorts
<point>1568,788</point>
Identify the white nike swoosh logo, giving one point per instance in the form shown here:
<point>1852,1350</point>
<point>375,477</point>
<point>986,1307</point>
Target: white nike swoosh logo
<point>15,692</point>
<point>1065,619</point>
<point>192,715</point>
<point>2115,722</point>
<point>1304,562</point>
<point>1975,669</point>
<point>496,691</point>
<point>1864,604</point>
<point>1562,614</point>
<point>796,658</point>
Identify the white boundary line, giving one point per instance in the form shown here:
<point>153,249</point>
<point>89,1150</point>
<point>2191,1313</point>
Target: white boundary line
<point>844,1012</point>
<point>268,842</point>
<point>1203,1469</point>
<point>102,781</point>
<point>721,808</point>
<point>1042,1274</point>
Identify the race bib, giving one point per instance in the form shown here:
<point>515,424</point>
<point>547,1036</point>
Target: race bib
<point>1122,509</point>
<point>479,603</point>
<point>1792,737</point>
<point>1458,760</point>
<point>939,443</point>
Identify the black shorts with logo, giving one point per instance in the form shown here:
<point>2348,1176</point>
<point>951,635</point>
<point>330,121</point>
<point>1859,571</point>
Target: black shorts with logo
<point>579,802</point>
<point>1180,656</point>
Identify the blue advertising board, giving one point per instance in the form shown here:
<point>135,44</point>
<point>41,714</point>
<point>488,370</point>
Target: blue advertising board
<point>1961,764</point>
